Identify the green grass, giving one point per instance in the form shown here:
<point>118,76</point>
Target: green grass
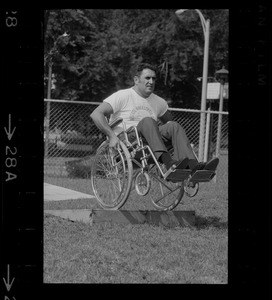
<point>75,252</point>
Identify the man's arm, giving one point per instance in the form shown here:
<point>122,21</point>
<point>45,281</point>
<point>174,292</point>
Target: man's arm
<point>99,118</point>
<point>166,117</point>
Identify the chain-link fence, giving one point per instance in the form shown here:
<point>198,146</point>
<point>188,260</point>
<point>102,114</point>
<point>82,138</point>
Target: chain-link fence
<point>70,136</point>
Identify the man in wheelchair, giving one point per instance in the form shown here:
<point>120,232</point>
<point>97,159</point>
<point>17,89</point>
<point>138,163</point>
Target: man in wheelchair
<point>139,106</point>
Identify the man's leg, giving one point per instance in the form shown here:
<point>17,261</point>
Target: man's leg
<point>149,130</point>
<point>174,133</point>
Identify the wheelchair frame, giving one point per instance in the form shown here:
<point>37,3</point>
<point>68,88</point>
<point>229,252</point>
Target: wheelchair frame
<point>113,170</point>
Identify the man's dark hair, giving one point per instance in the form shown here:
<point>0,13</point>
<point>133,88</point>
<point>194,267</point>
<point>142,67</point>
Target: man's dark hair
<point>143,66</point>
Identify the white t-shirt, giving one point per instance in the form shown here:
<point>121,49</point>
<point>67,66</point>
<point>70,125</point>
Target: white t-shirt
<point>132,108</point>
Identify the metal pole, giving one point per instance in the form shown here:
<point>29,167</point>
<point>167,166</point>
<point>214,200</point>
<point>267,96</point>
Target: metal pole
<point>207,136</point>
<point>218,139</point>
<point>48,109</point>
<point>49,87</point>
<point>204,91</point>
<point>49,82</point>
<point>206,30</point>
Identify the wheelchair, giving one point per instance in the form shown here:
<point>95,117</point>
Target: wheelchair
<point>115,171</point>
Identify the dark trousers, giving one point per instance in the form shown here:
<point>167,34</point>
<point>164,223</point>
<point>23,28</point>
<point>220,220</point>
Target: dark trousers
<point>161,138</point>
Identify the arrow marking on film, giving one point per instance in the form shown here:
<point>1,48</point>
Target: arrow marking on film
<point>7,283</point>
<point>9,132</point>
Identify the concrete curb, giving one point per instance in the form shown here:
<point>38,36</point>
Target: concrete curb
<point>91,216</point>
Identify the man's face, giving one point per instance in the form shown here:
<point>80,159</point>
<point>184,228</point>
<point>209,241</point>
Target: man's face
<point>146,82</point>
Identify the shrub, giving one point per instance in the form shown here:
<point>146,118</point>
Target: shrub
<point>77,169</point>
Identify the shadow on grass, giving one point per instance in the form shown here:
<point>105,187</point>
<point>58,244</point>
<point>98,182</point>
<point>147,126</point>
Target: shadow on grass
<point>206,222</point>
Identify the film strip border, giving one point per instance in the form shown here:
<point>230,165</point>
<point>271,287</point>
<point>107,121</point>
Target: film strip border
<point>21,152</point>
<point>250,129</point>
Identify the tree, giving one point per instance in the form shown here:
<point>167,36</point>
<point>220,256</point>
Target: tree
<point>104,45</point>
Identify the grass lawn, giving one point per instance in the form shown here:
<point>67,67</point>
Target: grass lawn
<point>75,252</point>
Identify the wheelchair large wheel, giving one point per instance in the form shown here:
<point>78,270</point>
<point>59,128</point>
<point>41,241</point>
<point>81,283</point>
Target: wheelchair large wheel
<point>112,176</point>
<point>164,195</point>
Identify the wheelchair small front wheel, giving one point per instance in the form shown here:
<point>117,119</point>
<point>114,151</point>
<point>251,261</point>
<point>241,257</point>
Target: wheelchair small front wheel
<point>191,188</point>
<point>142,183</point>
<point>112,176</point>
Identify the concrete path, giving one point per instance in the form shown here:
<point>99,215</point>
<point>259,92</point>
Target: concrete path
<point>57,193</point>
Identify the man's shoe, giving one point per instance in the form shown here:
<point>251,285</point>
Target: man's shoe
<point>212,164</point>
<point>202,165</point>
<point>198,166</point>
<point>181,164</point>
<point>192,163</point>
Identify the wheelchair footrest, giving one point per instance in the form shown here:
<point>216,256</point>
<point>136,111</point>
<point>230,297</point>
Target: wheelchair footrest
<point>179,175</point>
<point>202,176</point>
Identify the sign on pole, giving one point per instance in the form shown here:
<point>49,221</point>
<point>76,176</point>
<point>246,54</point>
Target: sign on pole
<point>213,90</point>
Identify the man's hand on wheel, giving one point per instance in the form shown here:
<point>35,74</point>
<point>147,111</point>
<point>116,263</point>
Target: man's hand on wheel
<point>114,142</point>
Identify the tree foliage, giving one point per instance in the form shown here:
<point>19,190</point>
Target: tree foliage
<point>103,46</point>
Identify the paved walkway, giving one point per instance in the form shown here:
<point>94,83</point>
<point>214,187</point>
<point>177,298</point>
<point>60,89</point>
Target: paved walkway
<point>57,193</point>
